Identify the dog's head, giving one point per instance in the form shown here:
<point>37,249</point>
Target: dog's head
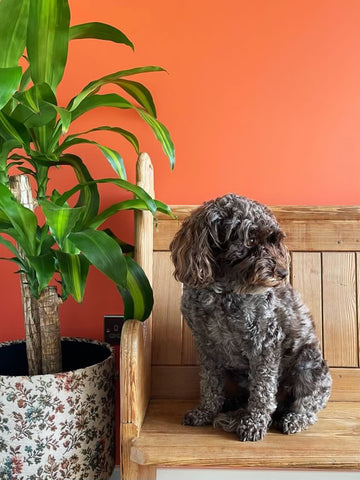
<point>232,243</point>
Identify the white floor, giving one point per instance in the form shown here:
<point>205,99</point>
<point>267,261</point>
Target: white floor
<point>221,474</point>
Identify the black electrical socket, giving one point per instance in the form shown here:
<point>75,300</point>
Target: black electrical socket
<point>112,328</point>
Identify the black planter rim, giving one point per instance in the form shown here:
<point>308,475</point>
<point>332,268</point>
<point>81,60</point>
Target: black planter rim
<point>103,353</point>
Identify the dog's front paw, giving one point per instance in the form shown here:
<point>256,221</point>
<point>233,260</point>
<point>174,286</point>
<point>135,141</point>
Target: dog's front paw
<point>198,417</point>
<point>252,427</point>
<point>296,422</point>
<point>229,421</point>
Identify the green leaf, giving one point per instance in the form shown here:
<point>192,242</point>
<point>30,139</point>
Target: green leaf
<point>5,150</point>
<point>95,85</point>
<point>25,79</point>
<point>32,97</point>
<point>137,296</point>
<point>44,266</point>
<point>125,185</point>
<point>22,219</point>
<point>115,160</point>
<point>101,31</point>
<point>37,111</point>
<point>9,81</point>
<point>47,40</point>
<point>65,117</point>
<point>112,156</point>
<point>76,137</point>
<point>46,241</point>
<point>74,271</point>
<point>12,130</point>
<point>140,93</point>
<point>45,116</point>
<point>161,133</point>
<point>103,252</point>
<point>9,246</point>
<point>13,26</point>
<point>89,195</point>
<point>133,204</point>
<point>96,101</point>
<point>61,219</point>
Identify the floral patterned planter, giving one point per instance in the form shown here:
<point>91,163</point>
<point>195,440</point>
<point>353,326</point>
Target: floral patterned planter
<point>55,427</point>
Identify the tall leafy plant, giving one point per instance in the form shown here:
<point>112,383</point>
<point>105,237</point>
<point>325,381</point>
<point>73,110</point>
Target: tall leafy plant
<point>34,139</point>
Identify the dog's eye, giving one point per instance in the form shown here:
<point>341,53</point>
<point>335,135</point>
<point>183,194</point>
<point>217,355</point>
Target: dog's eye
<point>250,242</point>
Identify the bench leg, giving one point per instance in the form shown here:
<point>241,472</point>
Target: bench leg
<point>138,472</point>
<point>146,472</point>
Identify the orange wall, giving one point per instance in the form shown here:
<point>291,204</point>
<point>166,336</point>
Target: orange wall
<point>262,99</point>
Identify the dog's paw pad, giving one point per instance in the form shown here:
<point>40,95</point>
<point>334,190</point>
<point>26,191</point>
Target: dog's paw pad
<point>296,422</point>
<point>197,418</point>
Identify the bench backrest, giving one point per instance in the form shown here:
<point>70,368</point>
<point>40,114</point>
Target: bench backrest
<point>325,249</point>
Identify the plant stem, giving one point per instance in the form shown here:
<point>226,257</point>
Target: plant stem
<point>41,316</point>
<point>48,308</point>
<point>20,188</point>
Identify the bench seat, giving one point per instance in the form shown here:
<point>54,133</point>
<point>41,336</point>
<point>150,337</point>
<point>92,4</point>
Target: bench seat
<point>332,443</point>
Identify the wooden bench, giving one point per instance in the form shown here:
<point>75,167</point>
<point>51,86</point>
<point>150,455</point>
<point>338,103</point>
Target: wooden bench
<point>159,367</point>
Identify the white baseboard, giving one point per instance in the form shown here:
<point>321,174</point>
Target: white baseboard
<point>215,474</point>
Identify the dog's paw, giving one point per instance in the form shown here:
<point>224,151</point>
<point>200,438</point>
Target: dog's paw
<point>296,422</point>
<point>252,427</point>
<point>198,417</point>
<point>229,421</point>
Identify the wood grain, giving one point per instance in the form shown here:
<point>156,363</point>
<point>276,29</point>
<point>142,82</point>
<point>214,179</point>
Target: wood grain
<point>289,212</point>
<point>167,322</point>
<point>339,309</point>
<point>183,382</point>
<point>358,298</point>
<point>306,279</point>
<point>301,235</point>
<point>135,352</point>
<point>332,443</point>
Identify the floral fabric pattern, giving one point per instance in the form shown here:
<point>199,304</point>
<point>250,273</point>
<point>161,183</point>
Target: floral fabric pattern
<point>55,427</point>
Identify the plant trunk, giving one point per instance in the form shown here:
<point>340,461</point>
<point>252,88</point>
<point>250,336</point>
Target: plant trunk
<point>41,316</point>
<point>48,309</point>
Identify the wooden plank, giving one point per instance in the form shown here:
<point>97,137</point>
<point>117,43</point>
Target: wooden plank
<point>306,279</point>
<point>308,228</point>
<point>358,298</point>
<point>129,469</point>
<point>167,321</point>
<point>293,212</point>
<point>135,393</point>
<point>135,351</point>
<point>332,443</point>
<point>177,382</point>
<point>302,235</point>
<point>339,309</point>
<point>182,382</point>
<point>346,384</point>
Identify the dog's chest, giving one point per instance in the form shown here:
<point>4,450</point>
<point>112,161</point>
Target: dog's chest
<point>225,326</point>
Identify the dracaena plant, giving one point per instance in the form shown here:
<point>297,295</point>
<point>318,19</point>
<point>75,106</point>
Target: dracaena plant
<point>34,140</point>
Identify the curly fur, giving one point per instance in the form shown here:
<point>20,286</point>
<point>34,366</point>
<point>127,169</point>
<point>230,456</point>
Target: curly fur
<point>248,322</point>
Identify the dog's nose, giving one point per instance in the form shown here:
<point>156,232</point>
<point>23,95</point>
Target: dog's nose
<point>282,272</point>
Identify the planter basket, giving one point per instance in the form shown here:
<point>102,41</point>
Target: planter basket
<point>58,426</point>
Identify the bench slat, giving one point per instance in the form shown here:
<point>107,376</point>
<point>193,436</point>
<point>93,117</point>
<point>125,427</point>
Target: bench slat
<point>182,382</point>
<point>332,443</point>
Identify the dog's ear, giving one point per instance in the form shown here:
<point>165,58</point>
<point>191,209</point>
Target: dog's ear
<point>191,250</point>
